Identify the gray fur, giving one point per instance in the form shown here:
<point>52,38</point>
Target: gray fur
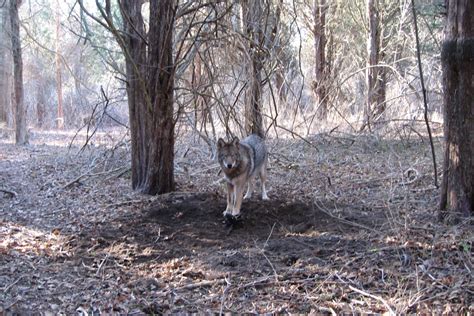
<point>258,151</point>
<point>241,162</point>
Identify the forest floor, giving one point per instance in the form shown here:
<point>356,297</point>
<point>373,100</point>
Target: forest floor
<point>350,228</point>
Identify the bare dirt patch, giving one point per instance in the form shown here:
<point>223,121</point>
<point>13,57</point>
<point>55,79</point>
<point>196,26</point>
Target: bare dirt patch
<point>348,229</point>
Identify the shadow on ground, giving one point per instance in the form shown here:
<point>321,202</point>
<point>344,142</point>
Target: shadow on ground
<point>191,226</point>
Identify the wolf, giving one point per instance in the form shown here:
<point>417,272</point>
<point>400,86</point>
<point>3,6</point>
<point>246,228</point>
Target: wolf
<point>241,161</point>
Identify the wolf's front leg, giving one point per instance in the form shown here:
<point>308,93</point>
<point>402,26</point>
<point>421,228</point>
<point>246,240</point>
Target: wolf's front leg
<point>239,194</point>
<point>230,199</point>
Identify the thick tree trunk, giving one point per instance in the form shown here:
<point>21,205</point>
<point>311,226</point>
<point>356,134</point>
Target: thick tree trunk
<point>253,15</point>
<point>6,75</point>
<point>150,83</point>
<point>375,75</point>
<point>457,192</point>
<point>21,136</point>
<point>320,69</point>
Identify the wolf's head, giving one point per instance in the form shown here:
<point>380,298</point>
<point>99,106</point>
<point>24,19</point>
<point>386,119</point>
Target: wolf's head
<point>228,153</point>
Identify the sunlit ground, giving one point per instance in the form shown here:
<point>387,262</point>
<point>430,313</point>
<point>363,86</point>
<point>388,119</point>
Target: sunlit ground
<point>350,227</point>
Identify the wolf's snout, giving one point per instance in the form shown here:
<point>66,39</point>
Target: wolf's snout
<point>229,166</point>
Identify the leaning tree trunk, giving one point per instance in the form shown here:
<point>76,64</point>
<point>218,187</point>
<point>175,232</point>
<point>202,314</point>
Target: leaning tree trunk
<point>457,192</point>
<point>375,75</point>
<point>150,83</point>
<point>21,136</point>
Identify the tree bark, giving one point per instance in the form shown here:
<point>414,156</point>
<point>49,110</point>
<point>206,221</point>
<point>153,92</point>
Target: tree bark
<point>457,191</point>
<point>21,136</point>
<point>320,69</point>
<point>284,59</point>
<point>375,75</point>
<point>253,15</point>
<point>150,84</point>
<point>6,75</point>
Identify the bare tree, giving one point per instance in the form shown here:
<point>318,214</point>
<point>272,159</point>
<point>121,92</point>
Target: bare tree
<point>457,192</point>
<point>5,64</point>
<point>21,135</point>
<point>149,76</point>
<point>253,16</point>
<point>375,75</point>
<point>150,82</point>
<point>320,65</point>
<point>261,22</point>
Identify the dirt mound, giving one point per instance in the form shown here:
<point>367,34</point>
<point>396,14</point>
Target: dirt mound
<point>202,214</point>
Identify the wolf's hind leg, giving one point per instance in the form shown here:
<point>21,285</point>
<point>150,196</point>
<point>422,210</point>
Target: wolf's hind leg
<point>248,195</point>
<point>263,178</point>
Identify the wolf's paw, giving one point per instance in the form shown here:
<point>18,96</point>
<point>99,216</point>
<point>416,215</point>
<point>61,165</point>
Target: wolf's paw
<point>232,220</point>
<point>265,197</point>
<point>227,213</point>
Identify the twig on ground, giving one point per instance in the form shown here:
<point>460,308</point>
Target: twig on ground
<point>224,293</point>
<point>193,286</point>
<point>121,173</point>
<point>268,238</point>
<point>326,310</point>
<point>88,174</point>
<point>12,193</point>
<point>263,253</point>
<point>8,287</point>
<point>345,221</point>
<point>75,180</point>
<point>213,166</point>
<point>378,298</point>
<point>102,263</point>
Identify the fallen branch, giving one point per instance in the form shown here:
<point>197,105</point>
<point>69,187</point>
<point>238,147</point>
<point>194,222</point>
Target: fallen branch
<point>88,174</point>
<point>75,180</point>
<point>345,221</point>
<point>224,293</point>
<point>384,302</point>
<point>193,286</point>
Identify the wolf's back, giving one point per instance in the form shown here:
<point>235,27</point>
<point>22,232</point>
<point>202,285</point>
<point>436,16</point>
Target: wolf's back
<point>257,144</point>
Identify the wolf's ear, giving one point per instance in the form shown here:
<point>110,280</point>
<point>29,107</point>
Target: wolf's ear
<point>220,143</point>
<point>235,141</point>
